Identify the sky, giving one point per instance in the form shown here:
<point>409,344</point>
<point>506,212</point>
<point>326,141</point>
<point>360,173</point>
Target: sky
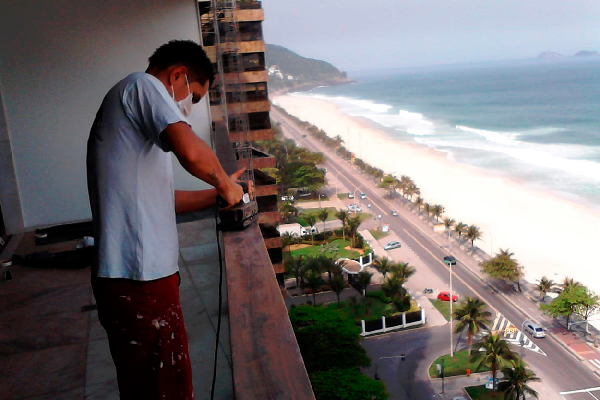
<point>370,34</point>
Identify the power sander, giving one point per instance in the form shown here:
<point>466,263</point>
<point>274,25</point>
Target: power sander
<point>239,216</point>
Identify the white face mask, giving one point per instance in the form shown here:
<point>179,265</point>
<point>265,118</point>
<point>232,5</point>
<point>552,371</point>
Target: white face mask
<point>185,105</point>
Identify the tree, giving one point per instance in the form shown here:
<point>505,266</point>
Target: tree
<point>566,303</point>
<point>323,215</point>
<point>460,228</point>
<point>516,381</point>
<point>391,287</point>
<point>337,285</point>
<point>327,338</point>
<point>363,280</point>
<point>496,352</point>
<point>545,285</point>
<point>346,383</point>
<point>342,215</point>
<point>314,281</point>
<point>503,266</point>
<point>402,271</point>
<point>311,221</point>
<point>473,233</point>
<point>383,265</point>
<point>287,239</point>
<point>353,224</point>
<point>428,209</point>
<point>295,267</point>
<point>589,305</point>
<point>419,203</point>
<point>448,222</point>
<point>472,317</point>
<point>570,283</point>
<point>437,211</point>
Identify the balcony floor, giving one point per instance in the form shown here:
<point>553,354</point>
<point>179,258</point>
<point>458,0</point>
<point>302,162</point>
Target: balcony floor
<point>52,349</point>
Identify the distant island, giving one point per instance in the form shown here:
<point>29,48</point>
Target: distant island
<point>290,71</point>
<point>550,55</point>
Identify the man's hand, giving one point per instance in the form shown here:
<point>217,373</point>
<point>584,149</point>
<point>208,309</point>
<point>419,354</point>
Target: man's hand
<point>234,193</point>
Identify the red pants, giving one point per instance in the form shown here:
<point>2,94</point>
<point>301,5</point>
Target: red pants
<point>147,337</point>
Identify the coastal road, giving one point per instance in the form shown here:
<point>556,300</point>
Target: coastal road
<point>559,370</point>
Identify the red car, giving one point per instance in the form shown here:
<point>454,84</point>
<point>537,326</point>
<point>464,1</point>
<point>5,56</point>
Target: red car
<point>445,296</point>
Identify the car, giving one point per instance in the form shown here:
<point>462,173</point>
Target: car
<point>287,198</point>
<point>354,208</point>
<point>350,195</point>
<point>392,245</point>
<point>534,329</point>
<point>363,195</point>
<point>450,260</point>
<point>394,213</point>
<point>458,398</point>
<point>445,296</point>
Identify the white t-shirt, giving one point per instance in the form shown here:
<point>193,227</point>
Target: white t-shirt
<point>130,181</point>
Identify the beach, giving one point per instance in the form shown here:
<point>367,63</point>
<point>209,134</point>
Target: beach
<point>549,235</point>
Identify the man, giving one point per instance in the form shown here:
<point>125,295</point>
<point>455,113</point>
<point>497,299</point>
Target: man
<point>130,182</point>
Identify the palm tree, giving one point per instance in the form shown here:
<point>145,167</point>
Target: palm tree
<point>472,316</point>
<point>516,381</point>
<point>402,271</point>
<point>383,265</point>
<point>287,239</point>
<point>326,264</point>
<point>473,233</point>
<point>419,203</point>
<point>392,288</point>
<point>313,281</point>
<point>448,224</point>
<point>570,283</point>
<point>343,216</point>
<point>437,211</point>
<point>428,209</point>
<point>337,284</point>
<point>545,285</point>
<point>353,224</point>
<point>460,228</point>
<point>295,266</point>
<point>363,280</point>
<point>496,352</point>
<point>311,221</point>
<point>323,215</point>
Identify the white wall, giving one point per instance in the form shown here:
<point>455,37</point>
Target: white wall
<point>57,61</point>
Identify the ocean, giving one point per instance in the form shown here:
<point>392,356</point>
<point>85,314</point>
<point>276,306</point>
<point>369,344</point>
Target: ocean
<point>536,121</point>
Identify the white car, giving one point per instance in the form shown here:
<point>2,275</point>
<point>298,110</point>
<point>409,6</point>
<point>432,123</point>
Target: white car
<point>350,195</point>
<point>534,329</point>
<point>392,245</point>
<point>354,208</point>
<point>394,213</point>
<point>287,198</point>
<point>363,195</point>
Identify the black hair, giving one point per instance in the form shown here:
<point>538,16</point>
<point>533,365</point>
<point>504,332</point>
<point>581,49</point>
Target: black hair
<point>187,53</point>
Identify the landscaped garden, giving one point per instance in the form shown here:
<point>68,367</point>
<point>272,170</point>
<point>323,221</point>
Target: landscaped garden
<point>456,365</point>
<point>373,306</point>
<point>378,234</point>
<point>341,249</point>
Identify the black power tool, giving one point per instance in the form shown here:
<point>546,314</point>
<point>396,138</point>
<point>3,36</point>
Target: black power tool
<point>237,217</point>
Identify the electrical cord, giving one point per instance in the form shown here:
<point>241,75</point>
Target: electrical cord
<point>218,333</point>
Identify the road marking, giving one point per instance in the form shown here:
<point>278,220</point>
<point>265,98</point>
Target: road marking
<point>513,335</point>
<point>595,362</point>
<point>448,268</point>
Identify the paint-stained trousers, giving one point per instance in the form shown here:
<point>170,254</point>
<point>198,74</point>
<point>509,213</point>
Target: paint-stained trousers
<point>147,337</point>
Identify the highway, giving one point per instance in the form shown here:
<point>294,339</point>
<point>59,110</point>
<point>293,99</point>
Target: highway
<point>558,368</point>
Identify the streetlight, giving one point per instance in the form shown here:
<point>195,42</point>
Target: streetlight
<point>450,261</point>
<point>319,200</point>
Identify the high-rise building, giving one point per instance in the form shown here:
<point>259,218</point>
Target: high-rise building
<point>239,103</point>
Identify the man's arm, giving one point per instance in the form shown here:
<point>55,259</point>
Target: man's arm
<point>194,200</point>
<point>200,160</point>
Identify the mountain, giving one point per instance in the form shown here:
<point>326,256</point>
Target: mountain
<point>291,71</point>
<point>586,53</point>
<point>548,55</point>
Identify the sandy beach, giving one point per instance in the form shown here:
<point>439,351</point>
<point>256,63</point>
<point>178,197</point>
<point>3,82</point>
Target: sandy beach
<point>549,235</point>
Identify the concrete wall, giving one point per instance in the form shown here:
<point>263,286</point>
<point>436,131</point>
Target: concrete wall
<point>57,61</point>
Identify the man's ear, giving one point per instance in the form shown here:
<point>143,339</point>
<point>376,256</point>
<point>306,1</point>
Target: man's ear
<point>177,73</point>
